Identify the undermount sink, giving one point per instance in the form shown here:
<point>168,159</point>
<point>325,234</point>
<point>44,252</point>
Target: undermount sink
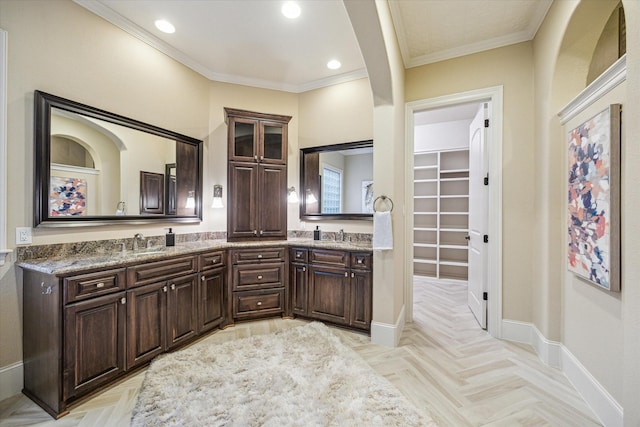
<point>146,251</point>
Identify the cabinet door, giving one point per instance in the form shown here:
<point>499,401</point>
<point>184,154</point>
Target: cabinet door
<point>211,299</point>
<point>298,284</point>
<point>329,294</point>
<point>360,313</point>
<point>182,310</point>
<point>146,323</point>
<point>94,351</point>
<point>272,201</point>
<point>242,221</point>
<point>272,143</point>
<point>243,139</point>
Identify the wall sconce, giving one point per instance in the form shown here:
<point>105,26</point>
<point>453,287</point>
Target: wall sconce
<point>217,197</point>
<point>292,196</point>
<point>310,197</point>
<point>191,201</point>
<point>121,209</point>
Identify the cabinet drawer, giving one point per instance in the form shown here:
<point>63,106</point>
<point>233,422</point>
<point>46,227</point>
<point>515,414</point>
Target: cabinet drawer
<point>361,261</point>
<point>161,270</point>
<point>258,255</point>
<point>298,255</point>
<point>258,303</point>
<point>329,257</point>
<point>259,276</point>
<point>211,260</point>
<point>81,287</point>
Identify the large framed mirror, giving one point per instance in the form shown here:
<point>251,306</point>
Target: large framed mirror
<point>336,181</point>
<point>93,167</point>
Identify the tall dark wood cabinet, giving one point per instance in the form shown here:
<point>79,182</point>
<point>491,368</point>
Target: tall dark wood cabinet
<point>257,175</point>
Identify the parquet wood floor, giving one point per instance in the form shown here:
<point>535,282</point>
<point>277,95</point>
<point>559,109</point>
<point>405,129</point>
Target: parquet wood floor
<point>445,364</point>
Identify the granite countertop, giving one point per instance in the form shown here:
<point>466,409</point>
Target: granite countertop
<point>72,264</point>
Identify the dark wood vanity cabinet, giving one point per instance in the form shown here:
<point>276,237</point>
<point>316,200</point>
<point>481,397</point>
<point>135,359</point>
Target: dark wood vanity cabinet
<point>83,330</point>
<point>332,286</point>
<point>73,334</point>
<point>163,307</point>
<point>257,175</point>
<point>212,297</point>
<point>258,283</point>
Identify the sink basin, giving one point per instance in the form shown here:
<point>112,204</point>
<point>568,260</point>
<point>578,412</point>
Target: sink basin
<point>146,251</point>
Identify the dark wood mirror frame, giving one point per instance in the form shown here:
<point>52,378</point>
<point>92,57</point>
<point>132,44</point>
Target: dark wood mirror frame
<point>188,156</point>
<point>305,177</point>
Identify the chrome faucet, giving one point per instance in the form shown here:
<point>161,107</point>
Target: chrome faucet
<point>135,240</point>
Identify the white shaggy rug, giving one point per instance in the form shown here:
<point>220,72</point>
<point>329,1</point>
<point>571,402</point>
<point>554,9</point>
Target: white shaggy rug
<point>303,376</point>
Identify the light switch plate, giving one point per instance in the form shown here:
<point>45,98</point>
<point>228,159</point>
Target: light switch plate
<point>23,235</point>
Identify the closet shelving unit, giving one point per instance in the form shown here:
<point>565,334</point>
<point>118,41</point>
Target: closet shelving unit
<point>441,214</point>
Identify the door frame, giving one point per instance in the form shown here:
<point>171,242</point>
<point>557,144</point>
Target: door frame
<point>494,95</point>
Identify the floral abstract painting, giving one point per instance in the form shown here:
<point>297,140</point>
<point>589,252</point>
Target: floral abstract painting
<point>68,196</point>
<point>594,199</point>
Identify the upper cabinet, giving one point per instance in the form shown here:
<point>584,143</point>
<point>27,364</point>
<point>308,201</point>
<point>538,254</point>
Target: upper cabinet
<point>257,175</point>
<point>257,137</point>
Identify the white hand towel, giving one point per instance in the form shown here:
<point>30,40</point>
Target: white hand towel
<point>382,232</point>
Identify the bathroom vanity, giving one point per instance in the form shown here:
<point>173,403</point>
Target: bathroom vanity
<point>89,320</point>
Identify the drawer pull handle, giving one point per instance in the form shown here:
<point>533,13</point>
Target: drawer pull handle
<point>123,300</point>
<point>346,274</point>
<point>360,260</point>
<point>353,275</point>
<point>259,277</point>
<point>173,286</point>
<point>164,288</point>
<point>259,255</point>
<point>203,278</point>
<point>304,268</point>
<point>100,285</point>
<point>215,261</point>
<point>259,303</point>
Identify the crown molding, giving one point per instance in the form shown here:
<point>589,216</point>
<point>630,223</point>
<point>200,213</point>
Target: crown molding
<point>138,32</point>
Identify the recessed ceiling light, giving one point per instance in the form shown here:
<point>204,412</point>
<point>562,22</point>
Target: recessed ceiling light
<point>334,64</point>
<point>290,9</point>
<point>165,26</point>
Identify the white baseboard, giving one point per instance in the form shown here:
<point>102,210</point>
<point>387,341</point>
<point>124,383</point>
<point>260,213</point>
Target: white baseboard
<point>387,334</point>
<point>597,397</point>
<point>11,381</point>
<point>555,354</point>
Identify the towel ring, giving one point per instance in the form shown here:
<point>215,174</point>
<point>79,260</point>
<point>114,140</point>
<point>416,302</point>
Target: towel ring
<point>383,198</point>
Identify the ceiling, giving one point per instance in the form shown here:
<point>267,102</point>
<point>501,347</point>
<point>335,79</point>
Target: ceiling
<point>250,42</point>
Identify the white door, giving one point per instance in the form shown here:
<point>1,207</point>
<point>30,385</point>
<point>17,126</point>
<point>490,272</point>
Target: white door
<point>477,284</point>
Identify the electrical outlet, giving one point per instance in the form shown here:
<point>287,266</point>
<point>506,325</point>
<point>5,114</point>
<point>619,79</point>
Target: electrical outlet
<point>23,236</point>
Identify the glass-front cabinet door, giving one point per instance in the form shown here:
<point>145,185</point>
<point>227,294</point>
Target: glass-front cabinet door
<point>243,140</point>
<point>273,146</point>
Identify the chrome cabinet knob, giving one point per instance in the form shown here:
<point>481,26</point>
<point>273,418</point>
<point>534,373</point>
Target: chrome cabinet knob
<point>123,300</point>
<point>173,286</point>
<point>100,285</point>
<point>259,303</point>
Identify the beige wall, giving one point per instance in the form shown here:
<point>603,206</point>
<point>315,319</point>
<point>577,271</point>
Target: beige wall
<point>332,115</point>
<point>588,321</point>
<point>630,224</point>
<point>511,67</point>
<point>60,48</point>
